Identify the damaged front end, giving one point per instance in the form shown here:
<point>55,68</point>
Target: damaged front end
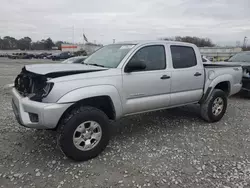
<point>246,78</point>
<point>32,85</point>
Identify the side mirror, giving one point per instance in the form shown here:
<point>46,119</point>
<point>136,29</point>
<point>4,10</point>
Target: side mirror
<point>133,66</point>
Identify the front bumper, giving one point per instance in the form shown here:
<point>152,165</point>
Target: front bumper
<point>48,113</point>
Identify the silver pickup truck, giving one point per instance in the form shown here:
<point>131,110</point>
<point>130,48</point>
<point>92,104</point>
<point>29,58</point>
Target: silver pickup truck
<point>80,100</point>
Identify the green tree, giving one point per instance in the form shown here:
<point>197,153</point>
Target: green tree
<point>24,43</point>
<point>9,43</point>
<point>58,44</point>
<point>48,44</point>
<point>39,45</point>
<point>200,42</point>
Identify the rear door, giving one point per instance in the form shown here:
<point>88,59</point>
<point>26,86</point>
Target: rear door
<point>187,75</point>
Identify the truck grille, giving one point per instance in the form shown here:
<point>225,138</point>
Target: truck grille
<point>23,83</point>
<point>29,84</point>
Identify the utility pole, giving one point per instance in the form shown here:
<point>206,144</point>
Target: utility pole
<point>245,42</point>
<point>237,43</point>
<point>73,36</point>
<point>82,37</point>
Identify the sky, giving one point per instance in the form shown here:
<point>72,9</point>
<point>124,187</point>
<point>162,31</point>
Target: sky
<point>223,21</point>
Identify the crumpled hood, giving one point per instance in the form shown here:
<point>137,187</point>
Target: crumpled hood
<point>57,70</point>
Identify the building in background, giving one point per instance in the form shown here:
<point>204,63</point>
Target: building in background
<point>70,47</point>
<point>54,48</point>
<point>88,47</point>
<point>219,53</point>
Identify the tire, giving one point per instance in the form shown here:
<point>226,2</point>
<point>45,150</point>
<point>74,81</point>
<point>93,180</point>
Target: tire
<point>67,132</point>
<point>207,107</point>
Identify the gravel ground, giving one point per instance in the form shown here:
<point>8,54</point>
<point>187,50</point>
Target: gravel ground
<point>170,148</point>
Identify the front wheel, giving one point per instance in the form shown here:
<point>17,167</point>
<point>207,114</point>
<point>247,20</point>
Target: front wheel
<point>84,134</point>
<point>215,107</point>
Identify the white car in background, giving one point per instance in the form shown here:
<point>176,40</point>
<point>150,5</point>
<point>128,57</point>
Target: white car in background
<point>77,59</point>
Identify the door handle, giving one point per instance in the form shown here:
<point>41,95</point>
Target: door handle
<point>165,77</point>
<point>197,74</point>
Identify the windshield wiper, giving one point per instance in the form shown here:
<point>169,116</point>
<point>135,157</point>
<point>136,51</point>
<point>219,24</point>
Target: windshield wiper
<point>94,64</point>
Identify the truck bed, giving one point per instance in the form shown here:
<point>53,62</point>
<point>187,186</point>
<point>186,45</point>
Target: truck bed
<point>232,73</point>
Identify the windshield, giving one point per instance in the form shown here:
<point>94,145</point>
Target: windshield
<point>241,57</point>
<point>110,55</point>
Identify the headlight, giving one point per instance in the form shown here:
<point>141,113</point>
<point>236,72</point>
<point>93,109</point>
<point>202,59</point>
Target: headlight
<point>40,93</point>
<point>46,90</point>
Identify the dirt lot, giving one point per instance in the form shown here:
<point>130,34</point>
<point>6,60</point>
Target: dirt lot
<point>170,148</point>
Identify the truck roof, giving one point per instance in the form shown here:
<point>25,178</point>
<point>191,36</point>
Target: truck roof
<point>155,41</point>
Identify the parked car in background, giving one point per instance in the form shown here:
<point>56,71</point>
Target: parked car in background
<point>80,53</point>
<point>61,56</point>
<point>243,59</point>
<point>77,59</point>
<point>21,56</point>
<point>13,56</point>
<point>80,100</point>
<point>26,56</point>
<point>4,55</point>
<point>42,55</point>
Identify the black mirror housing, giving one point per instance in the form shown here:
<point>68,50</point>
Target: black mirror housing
<point>133,66</point>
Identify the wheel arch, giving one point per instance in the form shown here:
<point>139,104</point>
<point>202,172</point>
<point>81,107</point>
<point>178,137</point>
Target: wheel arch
<point>222,82</point>
<point>82,94</point>
<point>103,103</point>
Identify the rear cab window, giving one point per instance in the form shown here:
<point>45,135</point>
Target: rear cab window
<point>183,56</point>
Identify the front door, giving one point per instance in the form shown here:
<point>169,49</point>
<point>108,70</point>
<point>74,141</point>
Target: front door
<point>147,89</point>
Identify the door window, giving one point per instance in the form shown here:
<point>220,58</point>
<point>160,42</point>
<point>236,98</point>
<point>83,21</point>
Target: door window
<point>183,57</point>
<point>153,56</point>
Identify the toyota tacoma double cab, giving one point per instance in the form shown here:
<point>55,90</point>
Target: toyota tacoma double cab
<point>80,100</point>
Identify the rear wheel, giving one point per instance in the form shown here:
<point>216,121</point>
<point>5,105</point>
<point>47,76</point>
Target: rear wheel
<point>84,133</point>
<point>215,107</point>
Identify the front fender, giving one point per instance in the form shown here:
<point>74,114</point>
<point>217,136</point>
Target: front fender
<point>94,91</point>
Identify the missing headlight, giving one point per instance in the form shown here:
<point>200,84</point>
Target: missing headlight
<point>47,89</point>
<point>42,92</point>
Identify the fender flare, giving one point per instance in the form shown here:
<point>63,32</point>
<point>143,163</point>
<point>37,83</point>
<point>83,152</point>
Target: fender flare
<point>95,91</point>
<point>214,83</point>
